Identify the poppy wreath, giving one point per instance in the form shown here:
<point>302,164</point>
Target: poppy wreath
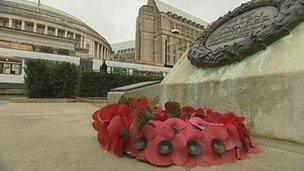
<point>163,136</point>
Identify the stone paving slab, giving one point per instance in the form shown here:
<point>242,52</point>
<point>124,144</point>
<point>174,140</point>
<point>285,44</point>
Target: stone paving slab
<point>59,137</point>
<point>3,102</point>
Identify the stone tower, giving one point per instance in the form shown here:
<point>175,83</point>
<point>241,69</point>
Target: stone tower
<point>155,42</point>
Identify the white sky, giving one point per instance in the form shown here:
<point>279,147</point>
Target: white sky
<point>116,19</point>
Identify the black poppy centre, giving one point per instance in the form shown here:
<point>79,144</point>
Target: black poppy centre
<point>194,148</point>
<point>141,143</point>
<point>165,147</point>
<point>218,146</point>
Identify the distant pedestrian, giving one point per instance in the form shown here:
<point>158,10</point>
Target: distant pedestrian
<point>104,67</point>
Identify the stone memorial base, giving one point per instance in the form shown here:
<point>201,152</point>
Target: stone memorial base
<point>267,88</point>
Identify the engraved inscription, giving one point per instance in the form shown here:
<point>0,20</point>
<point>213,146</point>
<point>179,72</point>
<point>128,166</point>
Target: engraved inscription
<point>241,27</point>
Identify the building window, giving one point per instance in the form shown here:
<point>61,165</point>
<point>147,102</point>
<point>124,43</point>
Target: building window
<point>51,31</point>
<point>78,38</point>
<point>4,22</point>
<point>171,25</point>
<point>29,26</point>
<point>95,49</point>
<point>63,52</point>
<point>88,46</point>
<point>40,28</point>
<point>45,49</point>
<point>70,35</point>
<point>158,25</point>
<point>17,24</point>
<point>169,54</point>
<point>10,66</point>
<point>61,33</point>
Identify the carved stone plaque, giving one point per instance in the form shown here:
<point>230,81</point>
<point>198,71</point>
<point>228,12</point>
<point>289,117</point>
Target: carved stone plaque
<point>244,31</point>
<point>241,27</point>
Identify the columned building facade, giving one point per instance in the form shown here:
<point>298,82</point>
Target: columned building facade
<point>48,30</point>
<point>163,33</point>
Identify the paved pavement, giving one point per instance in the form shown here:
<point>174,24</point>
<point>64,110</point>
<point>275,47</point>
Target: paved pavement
<point>3,102</point>
<point>51,137</point>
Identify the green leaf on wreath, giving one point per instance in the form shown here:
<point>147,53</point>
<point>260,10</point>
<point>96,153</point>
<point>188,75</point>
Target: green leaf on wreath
<point>152,105</point>
<point>123,133</point>
<point>143,117</point>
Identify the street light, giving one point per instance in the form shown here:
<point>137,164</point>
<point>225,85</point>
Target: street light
<point>175,32</point>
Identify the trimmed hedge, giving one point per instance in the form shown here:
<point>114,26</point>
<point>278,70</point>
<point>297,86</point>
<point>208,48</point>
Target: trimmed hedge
<point>47,79</point>
<point>93,84</point>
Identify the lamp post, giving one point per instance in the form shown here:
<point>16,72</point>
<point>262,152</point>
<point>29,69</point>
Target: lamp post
<point>175,32</point>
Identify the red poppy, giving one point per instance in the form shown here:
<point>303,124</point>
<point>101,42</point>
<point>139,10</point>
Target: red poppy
<point>231,118</point>
<point>103,137</point>
<point>175,124</point>
<point>250,146</point>
<point>195,147</point>
<point>200,111</point>
<point>110,121</point>
<point>159,113</point>
<point>221,145</point>
<point>138,105</point>
<point>107,113</point>
<point>109,136</point>
<point>114,135</point>
<point>102,119</point>
<point>187,112</point>
<point>126,117</point>
<point>241,153</point>
<point>213,117</point>
<point>200,123</point>
<point>104,114</point>
<point>117,146</point>
<point>208,115</point>
<point>168,146</point>
<point>138,141</point>
<point>238,122</point>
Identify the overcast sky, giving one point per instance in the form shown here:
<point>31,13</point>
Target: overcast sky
<point>116,19</point>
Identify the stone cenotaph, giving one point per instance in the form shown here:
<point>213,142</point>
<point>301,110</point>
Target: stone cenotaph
<point>251,62</point>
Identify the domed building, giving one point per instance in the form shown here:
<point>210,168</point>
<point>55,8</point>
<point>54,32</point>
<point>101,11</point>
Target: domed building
<point>24,26</point>
<point>31,32</point>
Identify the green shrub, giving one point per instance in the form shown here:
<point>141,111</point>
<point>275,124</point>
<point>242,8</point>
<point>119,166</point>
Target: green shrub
<point>65,80</point>
<point>94,84</point>
<point>37,80</point>
<point>47,79</point>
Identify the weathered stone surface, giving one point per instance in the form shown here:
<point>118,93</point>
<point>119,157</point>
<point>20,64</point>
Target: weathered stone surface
<point>151,91</point>
<point>267,88</point>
